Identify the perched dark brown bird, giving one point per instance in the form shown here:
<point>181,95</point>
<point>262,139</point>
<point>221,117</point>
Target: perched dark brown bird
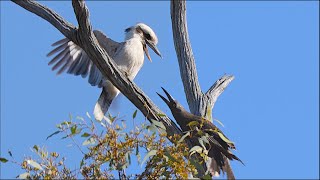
<point>219,145</point>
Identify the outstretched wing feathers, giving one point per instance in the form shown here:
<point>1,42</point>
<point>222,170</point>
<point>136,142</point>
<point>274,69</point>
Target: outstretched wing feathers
<point>69,56</point>
<point>62,41</point>
<point>108,44</point>
<point>62,45</point>
<point>95,76</point>
<point>61,48</point>
<point>73,65</point>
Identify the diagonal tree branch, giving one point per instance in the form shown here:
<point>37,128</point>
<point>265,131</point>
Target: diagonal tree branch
<point>87,41</point>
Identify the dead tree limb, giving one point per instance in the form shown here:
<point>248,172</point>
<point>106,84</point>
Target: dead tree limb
<point>199,103</point>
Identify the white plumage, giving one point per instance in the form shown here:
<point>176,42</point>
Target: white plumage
<point>128,55</point>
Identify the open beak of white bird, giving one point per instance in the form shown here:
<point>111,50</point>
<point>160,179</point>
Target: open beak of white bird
<point>153,47</point>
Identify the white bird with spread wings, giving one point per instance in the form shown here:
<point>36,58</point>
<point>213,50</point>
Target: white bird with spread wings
<point>128,55</point>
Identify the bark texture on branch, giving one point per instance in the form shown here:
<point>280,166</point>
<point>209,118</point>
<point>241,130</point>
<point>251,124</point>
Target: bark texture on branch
<point>185,56</point>
<point>199,103</point>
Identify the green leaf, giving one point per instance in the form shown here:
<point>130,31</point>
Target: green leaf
<point>138,153</point>
<point>25,175</point>
<point>35,147</point>
<point>219,122</point>
<point>128,158</point>
<point>44,154</point>
<point>199,131</point>
<point>112,118</point>
<point>225,139</point>
<point>104,125</point>
<point>150,153</point>
<point>73,129</point>
<point>88,115</point>
<point>34,164</point>
<point>57,132</point>
<point>205,138</point>
<point>183,137</point>
<point>66,123</point>
<point>195,149</point>
<point>161,115</point>
<point>108,121</point>
<point>137,149</point>
<point>166,157</point>
<point>3,160</point>
<point>207,176</point>
<point>81,163</point>
<point>152,128</point>
<point>134,114</point>
<point>89,141</point>
<point>162,131</point>
<point>80,118</point>
<point>158,124</point>
<point>85,135</point>
<point>201,143</point>
<point>193,123</point>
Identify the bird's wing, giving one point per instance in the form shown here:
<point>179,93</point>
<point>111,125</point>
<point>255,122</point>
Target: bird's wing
<point>218,135</point>
<point>69,56</point>
<point>220,141</point>
<point>106,43</point>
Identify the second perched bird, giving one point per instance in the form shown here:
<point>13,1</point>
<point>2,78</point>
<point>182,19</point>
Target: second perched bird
<point>128,55</point>
<point>219,145</point>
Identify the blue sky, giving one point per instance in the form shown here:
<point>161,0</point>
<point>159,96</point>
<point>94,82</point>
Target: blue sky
<point>271,109</point>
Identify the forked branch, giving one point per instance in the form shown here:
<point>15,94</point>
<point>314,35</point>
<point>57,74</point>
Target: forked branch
<point>199,103</point>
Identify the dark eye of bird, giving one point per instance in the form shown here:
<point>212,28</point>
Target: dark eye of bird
<point>127,30</point>
<point>147,35</point>
<point>175,104</point>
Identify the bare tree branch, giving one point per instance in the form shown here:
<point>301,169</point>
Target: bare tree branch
<point>217,88</point>
<point>199,103</point>
<point>185,56</point>
<point>86,40</point>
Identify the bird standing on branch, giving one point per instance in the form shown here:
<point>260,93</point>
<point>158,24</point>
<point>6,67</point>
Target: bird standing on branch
<point>128,55</point>
<point>218,144</point>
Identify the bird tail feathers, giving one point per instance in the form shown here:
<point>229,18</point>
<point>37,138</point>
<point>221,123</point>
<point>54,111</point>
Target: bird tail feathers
<point>103,104</point>
<point>214,169</point>
<point>227,168</point>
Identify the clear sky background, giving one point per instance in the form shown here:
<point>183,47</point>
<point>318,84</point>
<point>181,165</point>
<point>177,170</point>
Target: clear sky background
<point>271,109</point>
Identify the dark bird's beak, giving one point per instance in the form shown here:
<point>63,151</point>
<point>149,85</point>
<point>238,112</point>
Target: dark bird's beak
<point>168,95</point>
<point>153,47</point>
